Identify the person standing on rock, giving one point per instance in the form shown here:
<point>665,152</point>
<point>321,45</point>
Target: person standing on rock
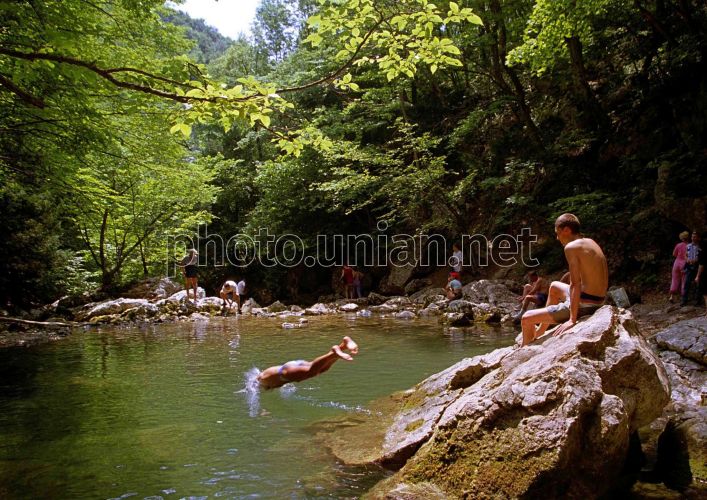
<point>677,282</point>
<point>240,289</point>
<point>457,258</point>
<point>358,283</point>
<point>692,258</point>
<point>701,279</point>
<point>190,266</point>
<point>347,278</point>
<point>589,281</point>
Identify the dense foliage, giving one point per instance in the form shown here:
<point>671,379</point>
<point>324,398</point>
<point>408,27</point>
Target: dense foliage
<point>475,116</point>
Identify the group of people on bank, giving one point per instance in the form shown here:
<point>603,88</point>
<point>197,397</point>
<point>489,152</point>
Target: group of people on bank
<point>582,290</point>
<point>688,270</point>
<point>231,292</point>
<point>579,293</point>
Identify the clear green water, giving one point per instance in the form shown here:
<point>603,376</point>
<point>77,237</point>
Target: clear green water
<point>161,411</point>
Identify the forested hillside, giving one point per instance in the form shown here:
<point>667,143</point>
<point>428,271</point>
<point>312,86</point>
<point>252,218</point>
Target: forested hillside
<point>209,43</point>
<point>448,118</point>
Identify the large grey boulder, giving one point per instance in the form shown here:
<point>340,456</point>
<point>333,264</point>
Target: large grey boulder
<point>682,350</point>
<point>687,338</point>
<point>399,273</point>
<point>495,292</point>
<point>112,307</point>
<point>549,420</point>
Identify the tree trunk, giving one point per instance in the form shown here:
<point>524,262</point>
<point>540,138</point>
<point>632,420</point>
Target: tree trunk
<point>143,260</point>
<point>590,109</point>
<point>499,68</point>
<point>101,246</point>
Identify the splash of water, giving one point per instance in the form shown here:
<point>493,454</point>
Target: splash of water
<point>252,391</point>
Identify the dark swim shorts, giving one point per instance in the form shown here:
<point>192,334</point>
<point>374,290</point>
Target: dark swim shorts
<point>190,271</point>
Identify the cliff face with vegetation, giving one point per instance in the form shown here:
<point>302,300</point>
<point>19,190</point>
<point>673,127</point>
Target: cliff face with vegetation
<point>538,108</point>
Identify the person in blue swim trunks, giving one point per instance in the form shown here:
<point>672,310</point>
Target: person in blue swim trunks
<point>589,280</point>
<point>299,370</point>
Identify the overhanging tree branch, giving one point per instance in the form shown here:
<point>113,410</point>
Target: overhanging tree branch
<point>107,74</point>
<point>22,94</point>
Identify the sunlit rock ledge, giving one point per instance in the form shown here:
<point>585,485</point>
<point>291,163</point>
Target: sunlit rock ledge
<point>554,419</point>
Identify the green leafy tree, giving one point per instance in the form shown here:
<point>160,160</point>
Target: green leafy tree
<point>137,193</point>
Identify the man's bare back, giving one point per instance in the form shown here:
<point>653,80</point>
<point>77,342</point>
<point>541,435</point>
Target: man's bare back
<point>590,268</point>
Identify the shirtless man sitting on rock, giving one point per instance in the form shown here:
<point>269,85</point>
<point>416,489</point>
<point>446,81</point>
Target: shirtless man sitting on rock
<point>589,280</point>
<point>299,370</point>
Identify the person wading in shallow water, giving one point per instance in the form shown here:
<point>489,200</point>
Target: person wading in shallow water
<point>299,370</point>
<point>589,280</point>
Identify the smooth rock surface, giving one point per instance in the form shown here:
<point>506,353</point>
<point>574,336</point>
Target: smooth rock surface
<point>111,307</point>
<point>549,420</point>
<point>682,348</point>
<point>688,338</point>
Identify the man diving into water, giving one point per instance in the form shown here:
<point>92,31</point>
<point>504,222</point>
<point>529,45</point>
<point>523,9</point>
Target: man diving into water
<point>299,370</point>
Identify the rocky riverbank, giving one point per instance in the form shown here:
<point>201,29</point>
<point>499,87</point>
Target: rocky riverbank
<point>488,301</point>
<point>581,415</point>
<point>622,397</point>
<point>156,301</point>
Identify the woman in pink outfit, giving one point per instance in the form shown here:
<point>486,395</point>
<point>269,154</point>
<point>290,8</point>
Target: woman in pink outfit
<point>679,253</point>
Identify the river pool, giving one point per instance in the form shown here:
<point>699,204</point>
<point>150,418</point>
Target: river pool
<point>161,411</point>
